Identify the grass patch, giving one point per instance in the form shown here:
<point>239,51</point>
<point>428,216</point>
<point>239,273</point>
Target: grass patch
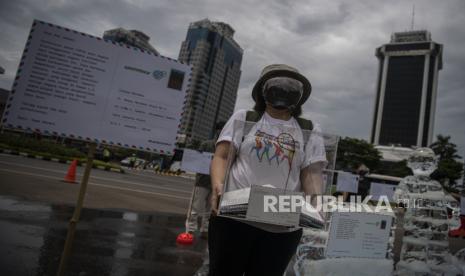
<point>18,142</point>
<point>48,150</point>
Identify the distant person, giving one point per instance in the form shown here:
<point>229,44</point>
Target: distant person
<point>106,155</point>
<point>141,165</point>
<point>239,247</point>
<point>132,161</point>
<point>200,206</point>
<point>364,182</point>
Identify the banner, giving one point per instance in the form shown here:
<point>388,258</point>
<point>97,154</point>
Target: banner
<point>196,161</point>
<point>76,85</point>
<point>347,182</point>
<point>381,189</point>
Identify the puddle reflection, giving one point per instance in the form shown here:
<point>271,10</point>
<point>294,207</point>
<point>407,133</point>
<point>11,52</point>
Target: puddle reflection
<point>107,242</point>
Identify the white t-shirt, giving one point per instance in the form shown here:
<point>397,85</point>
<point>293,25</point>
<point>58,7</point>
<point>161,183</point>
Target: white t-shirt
<point>270,152</point>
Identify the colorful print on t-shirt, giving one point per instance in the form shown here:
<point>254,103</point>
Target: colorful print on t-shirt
<point>274,149</point>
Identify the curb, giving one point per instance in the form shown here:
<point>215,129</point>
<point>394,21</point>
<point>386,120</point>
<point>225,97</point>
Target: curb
<point>56,160</point>
<point>168,173</point>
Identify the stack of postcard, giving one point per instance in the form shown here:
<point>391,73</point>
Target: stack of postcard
<point>310,217</point>
<point>235,203</point>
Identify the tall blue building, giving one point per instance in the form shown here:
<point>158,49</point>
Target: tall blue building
<point>216,60</point>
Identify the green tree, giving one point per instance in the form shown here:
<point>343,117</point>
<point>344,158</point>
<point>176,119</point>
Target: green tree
<point>444,149</point>
<point>398,169</point>
<point>448,166</point>
<point>352,152</point>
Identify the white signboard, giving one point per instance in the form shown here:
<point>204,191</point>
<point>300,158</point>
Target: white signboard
<point>379,189</point>
<point>76,85</point>
<point>347,182</point>
<point>196,161</point>
<point>358,235</point>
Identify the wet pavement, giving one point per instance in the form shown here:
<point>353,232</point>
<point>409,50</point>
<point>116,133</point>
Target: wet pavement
<point>107,242</point>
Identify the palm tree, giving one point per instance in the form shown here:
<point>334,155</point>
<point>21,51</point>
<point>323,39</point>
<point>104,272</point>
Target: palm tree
<point>444,148</point>
<point>448,166</point>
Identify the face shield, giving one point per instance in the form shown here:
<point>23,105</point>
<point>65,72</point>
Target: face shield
<point>282,92</point>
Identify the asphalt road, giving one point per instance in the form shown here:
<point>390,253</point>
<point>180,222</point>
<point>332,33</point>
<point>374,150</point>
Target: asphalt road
<point>39,180</point>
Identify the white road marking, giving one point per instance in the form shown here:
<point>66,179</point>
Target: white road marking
<point>143,174</point>
<point>101,178</point>
<point>97,184</point>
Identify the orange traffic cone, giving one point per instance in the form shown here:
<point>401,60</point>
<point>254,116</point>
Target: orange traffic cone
<point>71,174</point>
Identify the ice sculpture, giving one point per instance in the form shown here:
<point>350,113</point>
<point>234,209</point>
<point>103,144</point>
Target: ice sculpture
<point>425,247</point>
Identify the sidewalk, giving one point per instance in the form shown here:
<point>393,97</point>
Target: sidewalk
<point>107,242</point>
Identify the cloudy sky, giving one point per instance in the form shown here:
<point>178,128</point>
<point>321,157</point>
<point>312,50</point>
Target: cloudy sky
<point>331,42</point>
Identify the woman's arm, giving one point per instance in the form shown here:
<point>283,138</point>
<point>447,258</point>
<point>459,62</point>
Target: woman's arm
<point>217,172</point>
<point>311,178</point>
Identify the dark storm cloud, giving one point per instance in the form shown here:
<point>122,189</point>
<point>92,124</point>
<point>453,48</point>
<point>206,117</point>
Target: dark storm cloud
<point>331,42</point>
<point>317,22</point>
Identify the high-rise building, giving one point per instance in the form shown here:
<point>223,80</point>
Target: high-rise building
<point>216,60</point>
<point>406,90</point>
<point>130,37</point>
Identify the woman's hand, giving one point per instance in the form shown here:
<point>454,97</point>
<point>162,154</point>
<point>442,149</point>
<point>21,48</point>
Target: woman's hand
<point>217,172</point>
<point>217,190</point>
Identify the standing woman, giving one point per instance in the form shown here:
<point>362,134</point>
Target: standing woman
<point>251,248</point>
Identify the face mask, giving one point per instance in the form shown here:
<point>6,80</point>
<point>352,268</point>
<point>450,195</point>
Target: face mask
<point>282,92</point>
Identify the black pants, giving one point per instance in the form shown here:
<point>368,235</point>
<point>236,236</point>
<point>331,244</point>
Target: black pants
<point>240,249</point>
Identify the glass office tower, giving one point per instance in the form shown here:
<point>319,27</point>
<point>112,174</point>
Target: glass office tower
<point>216,60</point>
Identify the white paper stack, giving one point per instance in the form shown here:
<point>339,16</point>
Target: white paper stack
<point>235,203</point>
<point>310,217</point>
